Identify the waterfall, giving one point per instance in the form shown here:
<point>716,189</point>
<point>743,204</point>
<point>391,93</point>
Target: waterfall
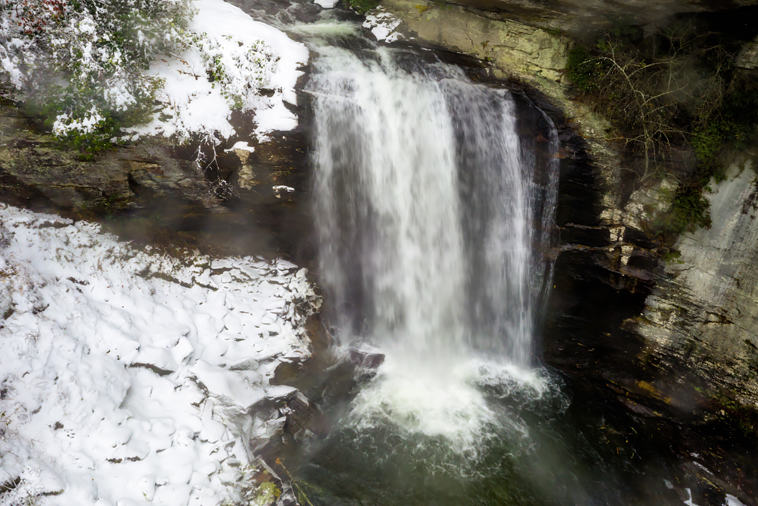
<point>426,212</point>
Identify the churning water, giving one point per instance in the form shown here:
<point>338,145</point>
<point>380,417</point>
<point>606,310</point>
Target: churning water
<point>428,213</point>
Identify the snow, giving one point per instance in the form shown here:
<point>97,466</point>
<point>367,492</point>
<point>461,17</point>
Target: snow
<point>241,145</point>
<point>326,4</point>
<point>382,25</point>
<point>128,376</point>
<point>689,501</point>
<point>64,124</point>
<point>253,56</point>
<point>732,501</point>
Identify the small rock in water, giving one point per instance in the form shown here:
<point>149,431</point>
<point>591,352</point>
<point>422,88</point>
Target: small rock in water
<point>365,359</point>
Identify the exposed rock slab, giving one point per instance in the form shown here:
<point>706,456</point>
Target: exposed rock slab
<point>34,161</point>
<point>704,317</point>
<point>511,45</point>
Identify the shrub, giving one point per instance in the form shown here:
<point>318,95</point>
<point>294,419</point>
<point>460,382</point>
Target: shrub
<point>79,64</point>
<point>582,69</point>
<point>241,71</point>
<point>363,6</point>
<point>707,140</point>
<point>690,209</point>
<point>677,88</point>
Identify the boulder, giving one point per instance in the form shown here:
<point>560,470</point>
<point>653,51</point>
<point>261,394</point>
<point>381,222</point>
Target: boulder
<point>365,359</point>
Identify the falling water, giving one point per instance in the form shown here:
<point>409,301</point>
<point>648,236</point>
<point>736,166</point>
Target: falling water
<point>426,211</point>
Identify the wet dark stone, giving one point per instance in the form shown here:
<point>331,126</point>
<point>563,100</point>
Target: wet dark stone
<point>302,415</point>
<point>638,409</point>
<point>365,359</point>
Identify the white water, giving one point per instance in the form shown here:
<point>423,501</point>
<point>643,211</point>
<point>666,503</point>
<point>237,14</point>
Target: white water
<point>425,213</point>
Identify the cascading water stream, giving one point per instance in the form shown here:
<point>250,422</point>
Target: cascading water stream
<point>426,212</point>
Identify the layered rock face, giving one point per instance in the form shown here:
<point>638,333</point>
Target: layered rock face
<point>702,317</point>
<point>34,167</point>
<point>507,43</point>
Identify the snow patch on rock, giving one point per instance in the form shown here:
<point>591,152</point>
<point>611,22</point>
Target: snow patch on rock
<point>326,4</point>
<point>383,25</point>
<point>235,63</point>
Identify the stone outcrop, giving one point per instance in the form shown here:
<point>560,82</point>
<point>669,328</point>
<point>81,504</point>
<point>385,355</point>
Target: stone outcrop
<point>512,46</point>
<point>34,165</point>
<point>679,333</point>
<point>701,320</point>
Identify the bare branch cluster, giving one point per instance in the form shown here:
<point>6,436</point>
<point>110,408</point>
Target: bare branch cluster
<point>658,98</point>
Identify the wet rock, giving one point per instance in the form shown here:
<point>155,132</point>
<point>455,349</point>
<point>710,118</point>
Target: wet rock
<point>302,415</point>
<point>267,488</point>
<point>245,174</point>
<point>638,409</point>
<point>40,168</point>
<point>317,333</point>
<point>366,359</point>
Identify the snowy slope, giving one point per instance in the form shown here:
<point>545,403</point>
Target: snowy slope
<point>255,61</point>
<point>128,377</point>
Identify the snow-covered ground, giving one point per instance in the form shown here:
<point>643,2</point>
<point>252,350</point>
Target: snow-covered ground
<point>128,377</point>
<point>249,61</point>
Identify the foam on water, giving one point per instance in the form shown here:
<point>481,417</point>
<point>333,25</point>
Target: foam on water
<point>449,400</point>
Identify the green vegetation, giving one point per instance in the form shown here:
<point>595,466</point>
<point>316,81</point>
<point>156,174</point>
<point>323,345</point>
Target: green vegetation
<point>238,74</point>
<point>268,493</point>
<point>363,6</point>
<point>690,209</point>
<point>582,69</point>
<point>675,91</point>
<point>302,498</point>
<point>78,65</point>
<point>673,256</point>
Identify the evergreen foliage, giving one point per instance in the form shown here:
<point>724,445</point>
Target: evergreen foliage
<point>79,64</point>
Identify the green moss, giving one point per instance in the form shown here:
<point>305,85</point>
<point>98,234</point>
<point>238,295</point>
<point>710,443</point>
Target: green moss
<point>363,6</point>
<point>582,69</point>
<point>672,256</point>
<point>267,493</point>
<point>690,209</point>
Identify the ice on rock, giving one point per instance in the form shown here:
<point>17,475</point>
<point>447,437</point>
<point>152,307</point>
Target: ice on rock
<point>118,383</point>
